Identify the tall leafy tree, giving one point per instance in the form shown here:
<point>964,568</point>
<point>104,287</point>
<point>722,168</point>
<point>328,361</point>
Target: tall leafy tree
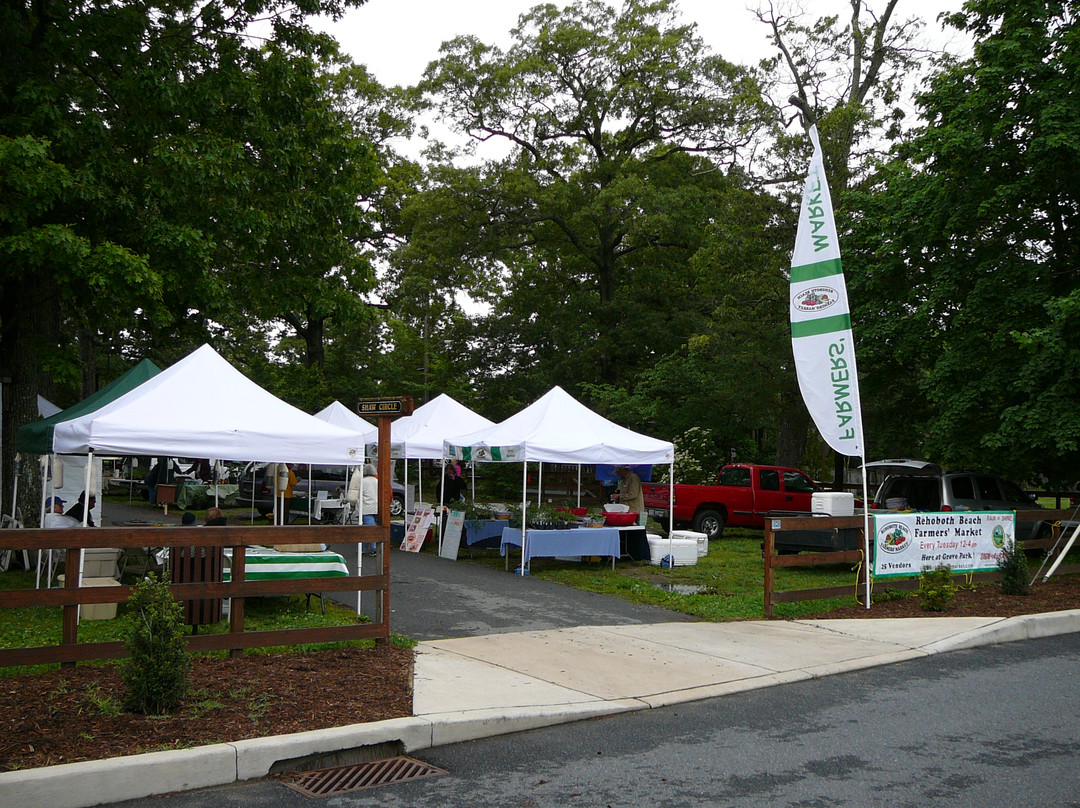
<point>980,216</point>
<point>615,121</point>
<point>125,142</point>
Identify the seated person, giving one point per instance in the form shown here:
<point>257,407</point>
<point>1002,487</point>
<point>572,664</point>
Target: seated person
<point>215,517</point>
<point>188,519</point>
<point>55,517</point>
<point>76,510</point>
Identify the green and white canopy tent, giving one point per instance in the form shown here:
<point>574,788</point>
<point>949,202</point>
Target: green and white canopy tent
<point>557,428</point>
<point>37,437</point>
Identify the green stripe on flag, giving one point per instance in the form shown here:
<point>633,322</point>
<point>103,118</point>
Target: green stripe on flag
<point>811,272</point>
<point>822,325</point>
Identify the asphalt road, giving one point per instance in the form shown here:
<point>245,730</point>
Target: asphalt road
<point>432,598</point>
<point>993,726</point>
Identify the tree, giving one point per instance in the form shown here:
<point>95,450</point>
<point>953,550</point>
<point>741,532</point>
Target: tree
<point>847,79</point>
<point>615,121</point>
<point>127,194</point>
<point>980,216</point>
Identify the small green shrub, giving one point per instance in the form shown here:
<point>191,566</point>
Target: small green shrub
<point>887,595</point>
<point>158,674</point>
<point>1014,570</point>
<point>936,590</point>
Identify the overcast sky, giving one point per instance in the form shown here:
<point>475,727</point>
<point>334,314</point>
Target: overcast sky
<point>397,38</point>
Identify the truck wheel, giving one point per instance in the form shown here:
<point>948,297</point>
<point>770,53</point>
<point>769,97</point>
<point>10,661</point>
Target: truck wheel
<point>711,523</point>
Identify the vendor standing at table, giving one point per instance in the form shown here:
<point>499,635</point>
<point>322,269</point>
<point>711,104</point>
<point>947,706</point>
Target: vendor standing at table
<point>629,492</point>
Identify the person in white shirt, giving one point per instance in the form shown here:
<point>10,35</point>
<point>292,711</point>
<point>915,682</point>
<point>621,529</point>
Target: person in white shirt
<point>369,498</point>
<point>54,515</point>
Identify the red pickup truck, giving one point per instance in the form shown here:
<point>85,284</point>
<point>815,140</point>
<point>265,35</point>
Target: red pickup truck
<point>743,494</point>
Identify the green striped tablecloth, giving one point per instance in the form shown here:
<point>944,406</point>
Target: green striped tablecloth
<point>264,564</point>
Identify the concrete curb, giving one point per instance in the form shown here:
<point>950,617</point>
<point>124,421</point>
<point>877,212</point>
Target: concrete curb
<point>80,785</point>
<point>1012,629</point>
<point>77,785</point>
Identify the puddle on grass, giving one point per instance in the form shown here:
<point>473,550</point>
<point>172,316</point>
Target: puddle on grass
<point>687,589</point>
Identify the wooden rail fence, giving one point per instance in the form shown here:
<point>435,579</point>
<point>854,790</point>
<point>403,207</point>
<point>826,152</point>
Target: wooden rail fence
<point>773,561</point>
<point>71,595</point>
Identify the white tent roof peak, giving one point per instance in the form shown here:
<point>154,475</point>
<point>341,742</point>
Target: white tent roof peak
<point>338,414</point>
<point>204,407</point>
<point>421,434</point>
<point>557,428</point>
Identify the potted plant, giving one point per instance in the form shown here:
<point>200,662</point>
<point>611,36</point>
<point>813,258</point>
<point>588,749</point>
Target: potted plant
<point>594,517</point>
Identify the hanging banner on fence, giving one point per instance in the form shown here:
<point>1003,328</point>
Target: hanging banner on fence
<point>452,539</point>
<point>417,530</point>
<point>904,543</point>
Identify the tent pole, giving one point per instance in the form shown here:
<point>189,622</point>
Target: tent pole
<point>671,498</point>
<point>442,500</point>
<point>41,523</point>
<point>524,508</point>
<point>578,486</point>
<point>309,494</point>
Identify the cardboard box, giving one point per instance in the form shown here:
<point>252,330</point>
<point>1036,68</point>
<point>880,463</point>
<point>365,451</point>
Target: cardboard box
<point>702,540</point>
<point>95,611</point>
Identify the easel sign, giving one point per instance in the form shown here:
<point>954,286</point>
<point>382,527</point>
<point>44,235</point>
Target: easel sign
<point>417,530</point>
<point>452,540</point>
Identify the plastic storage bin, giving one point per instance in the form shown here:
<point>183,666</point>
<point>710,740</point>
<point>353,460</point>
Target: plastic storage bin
<point>702,540</point>
<point>833,503</point>
<point>95,611</point>
<point>684,552</point>
<point>100,562</point>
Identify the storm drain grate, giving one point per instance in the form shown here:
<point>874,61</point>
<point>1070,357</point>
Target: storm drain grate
<point>324,782</point>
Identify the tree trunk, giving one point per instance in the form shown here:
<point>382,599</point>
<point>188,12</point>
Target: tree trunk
<point>791,432</point>
<point>31,322</point>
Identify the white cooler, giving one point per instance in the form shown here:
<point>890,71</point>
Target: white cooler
<point>834,503</point>
<point>684,552</point>
<point>702,540</point>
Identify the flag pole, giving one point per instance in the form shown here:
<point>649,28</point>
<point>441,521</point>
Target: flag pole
<point>866,529</point>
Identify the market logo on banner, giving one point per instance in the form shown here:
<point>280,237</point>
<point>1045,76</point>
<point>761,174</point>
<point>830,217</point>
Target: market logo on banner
<point>998,536</point>
<point>894,537</point>
<point>817,299</point>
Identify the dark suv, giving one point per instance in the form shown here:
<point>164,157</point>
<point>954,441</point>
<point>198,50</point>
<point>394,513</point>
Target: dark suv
<point>331,479</point>
<point>932,489</point>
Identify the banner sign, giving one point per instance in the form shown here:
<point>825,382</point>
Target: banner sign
<point>417,530</point>
<point>486,454</point>
<point>821,337</point>
<point>451,541</point>
<point>973,541</point>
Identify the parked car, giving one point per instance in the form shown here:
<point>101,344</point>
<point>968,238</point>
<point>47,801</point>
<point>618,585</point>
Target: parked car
<point>331,479</point>
<point>931,488</point>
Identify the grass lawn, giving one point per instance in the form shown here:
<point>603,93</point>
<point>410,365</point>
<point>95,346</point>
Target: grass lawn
<point>730,578</point>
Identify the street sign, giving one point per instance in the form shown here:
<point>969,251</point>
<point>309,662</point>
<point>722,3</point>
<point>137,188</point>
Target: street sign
<point>384,406</point>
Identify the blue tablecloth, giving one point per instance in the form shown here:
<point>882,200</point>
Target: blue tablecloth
<point>486,531</point>
<point>582,541</point>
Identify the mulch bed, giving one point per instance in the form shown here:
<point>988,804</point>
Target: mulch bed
<point>986,600</point>
<point>74,715</point>
<point>68,716</point>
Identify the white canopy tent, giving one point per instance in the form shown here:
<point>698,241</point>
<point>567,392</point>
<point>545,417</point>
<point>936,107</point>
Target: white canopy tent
<point>340,415</point>
<point>421,436</point>
<point>556,428</point>
<point>203,407</point>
